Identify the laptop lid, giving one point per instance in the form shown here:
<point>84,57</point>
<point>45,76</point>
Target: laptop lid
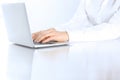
<point>17,25</point>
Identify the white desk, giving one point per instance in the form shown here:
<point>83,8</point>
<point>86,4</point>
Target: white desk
<point>81,61</point>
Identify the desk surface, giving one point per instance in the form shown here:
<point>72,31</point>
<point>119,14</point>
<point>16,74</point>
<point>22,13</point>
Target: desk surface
<point>78,61</point>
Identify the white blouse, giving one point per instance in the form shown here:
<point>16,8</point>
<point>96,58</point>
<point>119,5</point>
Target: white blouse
<point>95,20</point>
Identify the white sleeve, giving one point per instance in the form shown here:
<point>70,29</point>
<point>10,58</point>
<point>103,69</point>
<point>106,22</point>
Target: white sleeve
<point>104,31</point>
<point>116,18</point>
<point>100,32</point>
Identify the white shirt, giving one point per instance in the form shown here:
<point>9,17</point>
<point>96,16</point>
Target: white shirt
<point>95,20</point>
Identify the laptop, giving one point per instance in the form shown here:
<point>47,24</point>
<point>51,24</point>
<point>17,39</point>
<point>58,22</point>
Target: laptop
<point>17,25</point>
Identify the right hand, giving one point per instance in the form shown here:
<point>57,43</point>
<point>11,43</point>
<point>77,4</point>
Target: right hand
<point>50,35</point>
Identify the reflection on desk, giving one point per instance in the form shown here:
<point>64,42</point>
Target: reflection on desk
<point>19,63</point>
<point>81,61</point>
<point>49,63</point>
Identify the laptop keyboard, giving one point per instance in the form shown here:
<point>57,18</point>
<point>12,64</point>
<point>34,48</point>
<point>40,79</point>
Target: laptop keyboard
<point>51,42</point>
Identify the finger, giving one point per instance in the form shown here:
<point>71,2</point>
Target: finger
<point>34,36</point>
<point>43,37</point>
<point>44,34</point>
<point>49,39</point>
<point>39,36</point>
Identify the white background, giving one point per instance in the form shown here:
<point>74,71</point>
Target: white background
<point>45,13</point>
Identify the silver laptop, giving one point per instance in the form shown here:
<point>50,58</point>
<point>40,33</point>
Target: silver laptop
<point>15,16</point>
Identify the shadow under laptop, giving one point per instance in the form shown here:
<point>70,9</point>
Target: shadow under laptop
<point>19,63</point>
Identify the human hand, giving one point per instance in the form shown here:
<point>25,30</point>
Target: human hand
<point>50,35</point>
